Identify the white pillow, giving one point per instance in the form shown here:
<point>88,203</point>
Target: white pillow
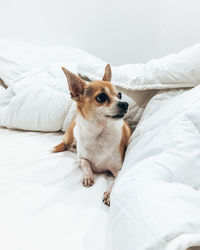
<point>18,57</point>
<point>23,64</point>
<point>38,100</point>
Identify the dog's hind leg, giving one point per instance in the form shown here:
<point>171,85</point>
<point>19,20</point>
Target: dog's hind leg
<point>59,148</point>
<point>68,141</point>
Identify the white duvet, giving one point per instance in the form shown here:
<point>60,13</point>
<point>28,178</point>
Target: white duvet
<point>155,203</point>
<point>156,197</point>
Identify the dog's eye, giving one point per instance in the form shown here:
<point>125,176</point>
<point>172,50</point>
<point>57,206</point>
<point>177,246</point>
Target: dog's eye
<point>102,98</point>
<point>119,95</point>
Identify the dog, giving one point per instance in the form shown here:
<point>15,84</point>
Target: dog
<point>98,132</point>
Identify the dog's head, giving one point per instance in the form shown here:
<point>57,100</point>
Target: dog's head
<point>96,100</point>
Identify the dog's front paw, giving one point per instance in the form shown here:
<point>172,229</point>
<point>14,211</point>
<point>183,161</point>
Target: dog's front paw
<point>106,198</point>
<point>88,180</point>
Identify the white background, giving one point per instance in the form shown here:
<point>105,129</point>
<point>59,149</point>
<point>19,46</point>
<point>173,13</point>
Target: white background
<point>117,31</point>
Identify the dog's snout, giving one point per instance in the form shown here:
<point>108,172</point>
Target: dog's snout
<point>123,106</point>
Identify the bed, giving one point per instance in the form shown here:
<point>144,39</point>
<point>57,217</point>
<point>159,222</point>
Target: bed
<point>155,203</point>
<point>43,204</point>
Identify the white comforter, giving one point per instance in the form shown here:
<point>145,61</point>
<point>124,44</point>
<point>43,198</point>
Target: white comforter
<point>156,197</point>
<point>155,203</point>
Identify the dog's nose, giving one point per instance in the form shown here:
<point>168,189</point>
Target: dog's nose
<point>123,106</point>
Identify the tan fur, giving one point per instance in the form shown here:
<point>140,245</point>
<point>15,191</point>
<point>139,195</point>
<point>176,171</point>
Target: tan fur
<point>59,148</point>
<point>68,140</point>
<point>126,133</point>
<point>69,135</point>
<point>88,100</point>
<point>3,84</point>
<point>108,74</point>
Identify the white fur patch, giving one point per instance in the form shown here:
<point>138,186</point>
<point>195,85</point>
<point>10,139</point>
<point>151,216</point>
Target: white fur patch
<point>98,142</point>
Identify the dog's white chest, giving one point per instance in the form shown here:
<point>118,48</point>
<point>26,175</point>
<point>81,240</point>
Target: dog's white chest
<point>100,149</point>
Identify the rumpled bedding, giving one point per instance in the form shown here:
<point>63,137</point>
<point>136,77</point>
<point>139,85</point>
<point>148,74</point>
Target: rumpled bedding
<point>157,196</point>
<point>155,203</point>
<point>37,97</point>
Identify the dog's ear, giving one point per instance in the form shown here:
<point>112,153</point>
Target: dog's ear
<point>108,74</point>
<point>75,83</point>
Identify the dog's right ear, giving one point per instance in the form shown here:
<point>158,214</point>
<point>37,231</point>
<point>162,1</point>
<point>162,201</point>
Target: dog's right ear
<point>75,83</point>
<point>108,74</point>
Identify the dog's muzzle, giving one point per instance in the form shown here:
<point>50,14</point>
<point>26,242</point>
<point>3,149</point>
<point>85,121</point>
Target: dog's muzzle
<point>122,110</point>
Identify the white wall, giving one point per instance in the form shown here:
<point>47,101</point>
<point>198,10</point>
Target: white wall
<point>119,32</point>
<point>179,25</point>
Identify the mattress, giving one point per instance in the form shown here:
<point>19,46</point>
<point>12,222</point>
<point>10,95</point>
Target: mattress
<point>43,204</point>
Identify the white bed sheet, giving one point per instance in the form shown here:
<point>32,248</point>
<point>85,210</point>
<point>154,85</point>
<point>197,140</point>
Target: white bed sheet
<point>43,204</point>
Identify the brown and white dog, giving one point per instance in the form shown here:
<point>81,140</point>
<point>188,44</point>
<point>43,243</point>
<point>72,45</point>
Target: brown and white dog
<point>99,132</point>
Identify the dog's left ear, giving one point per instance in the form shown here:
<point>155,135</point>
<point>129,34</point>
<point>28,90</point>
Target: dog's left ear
<point>108,74</point>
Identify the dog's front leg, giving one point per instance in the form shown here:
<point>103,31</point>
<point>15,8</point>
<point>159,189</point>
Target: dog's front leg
<point>88,176</point>
<point>106,195</point>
